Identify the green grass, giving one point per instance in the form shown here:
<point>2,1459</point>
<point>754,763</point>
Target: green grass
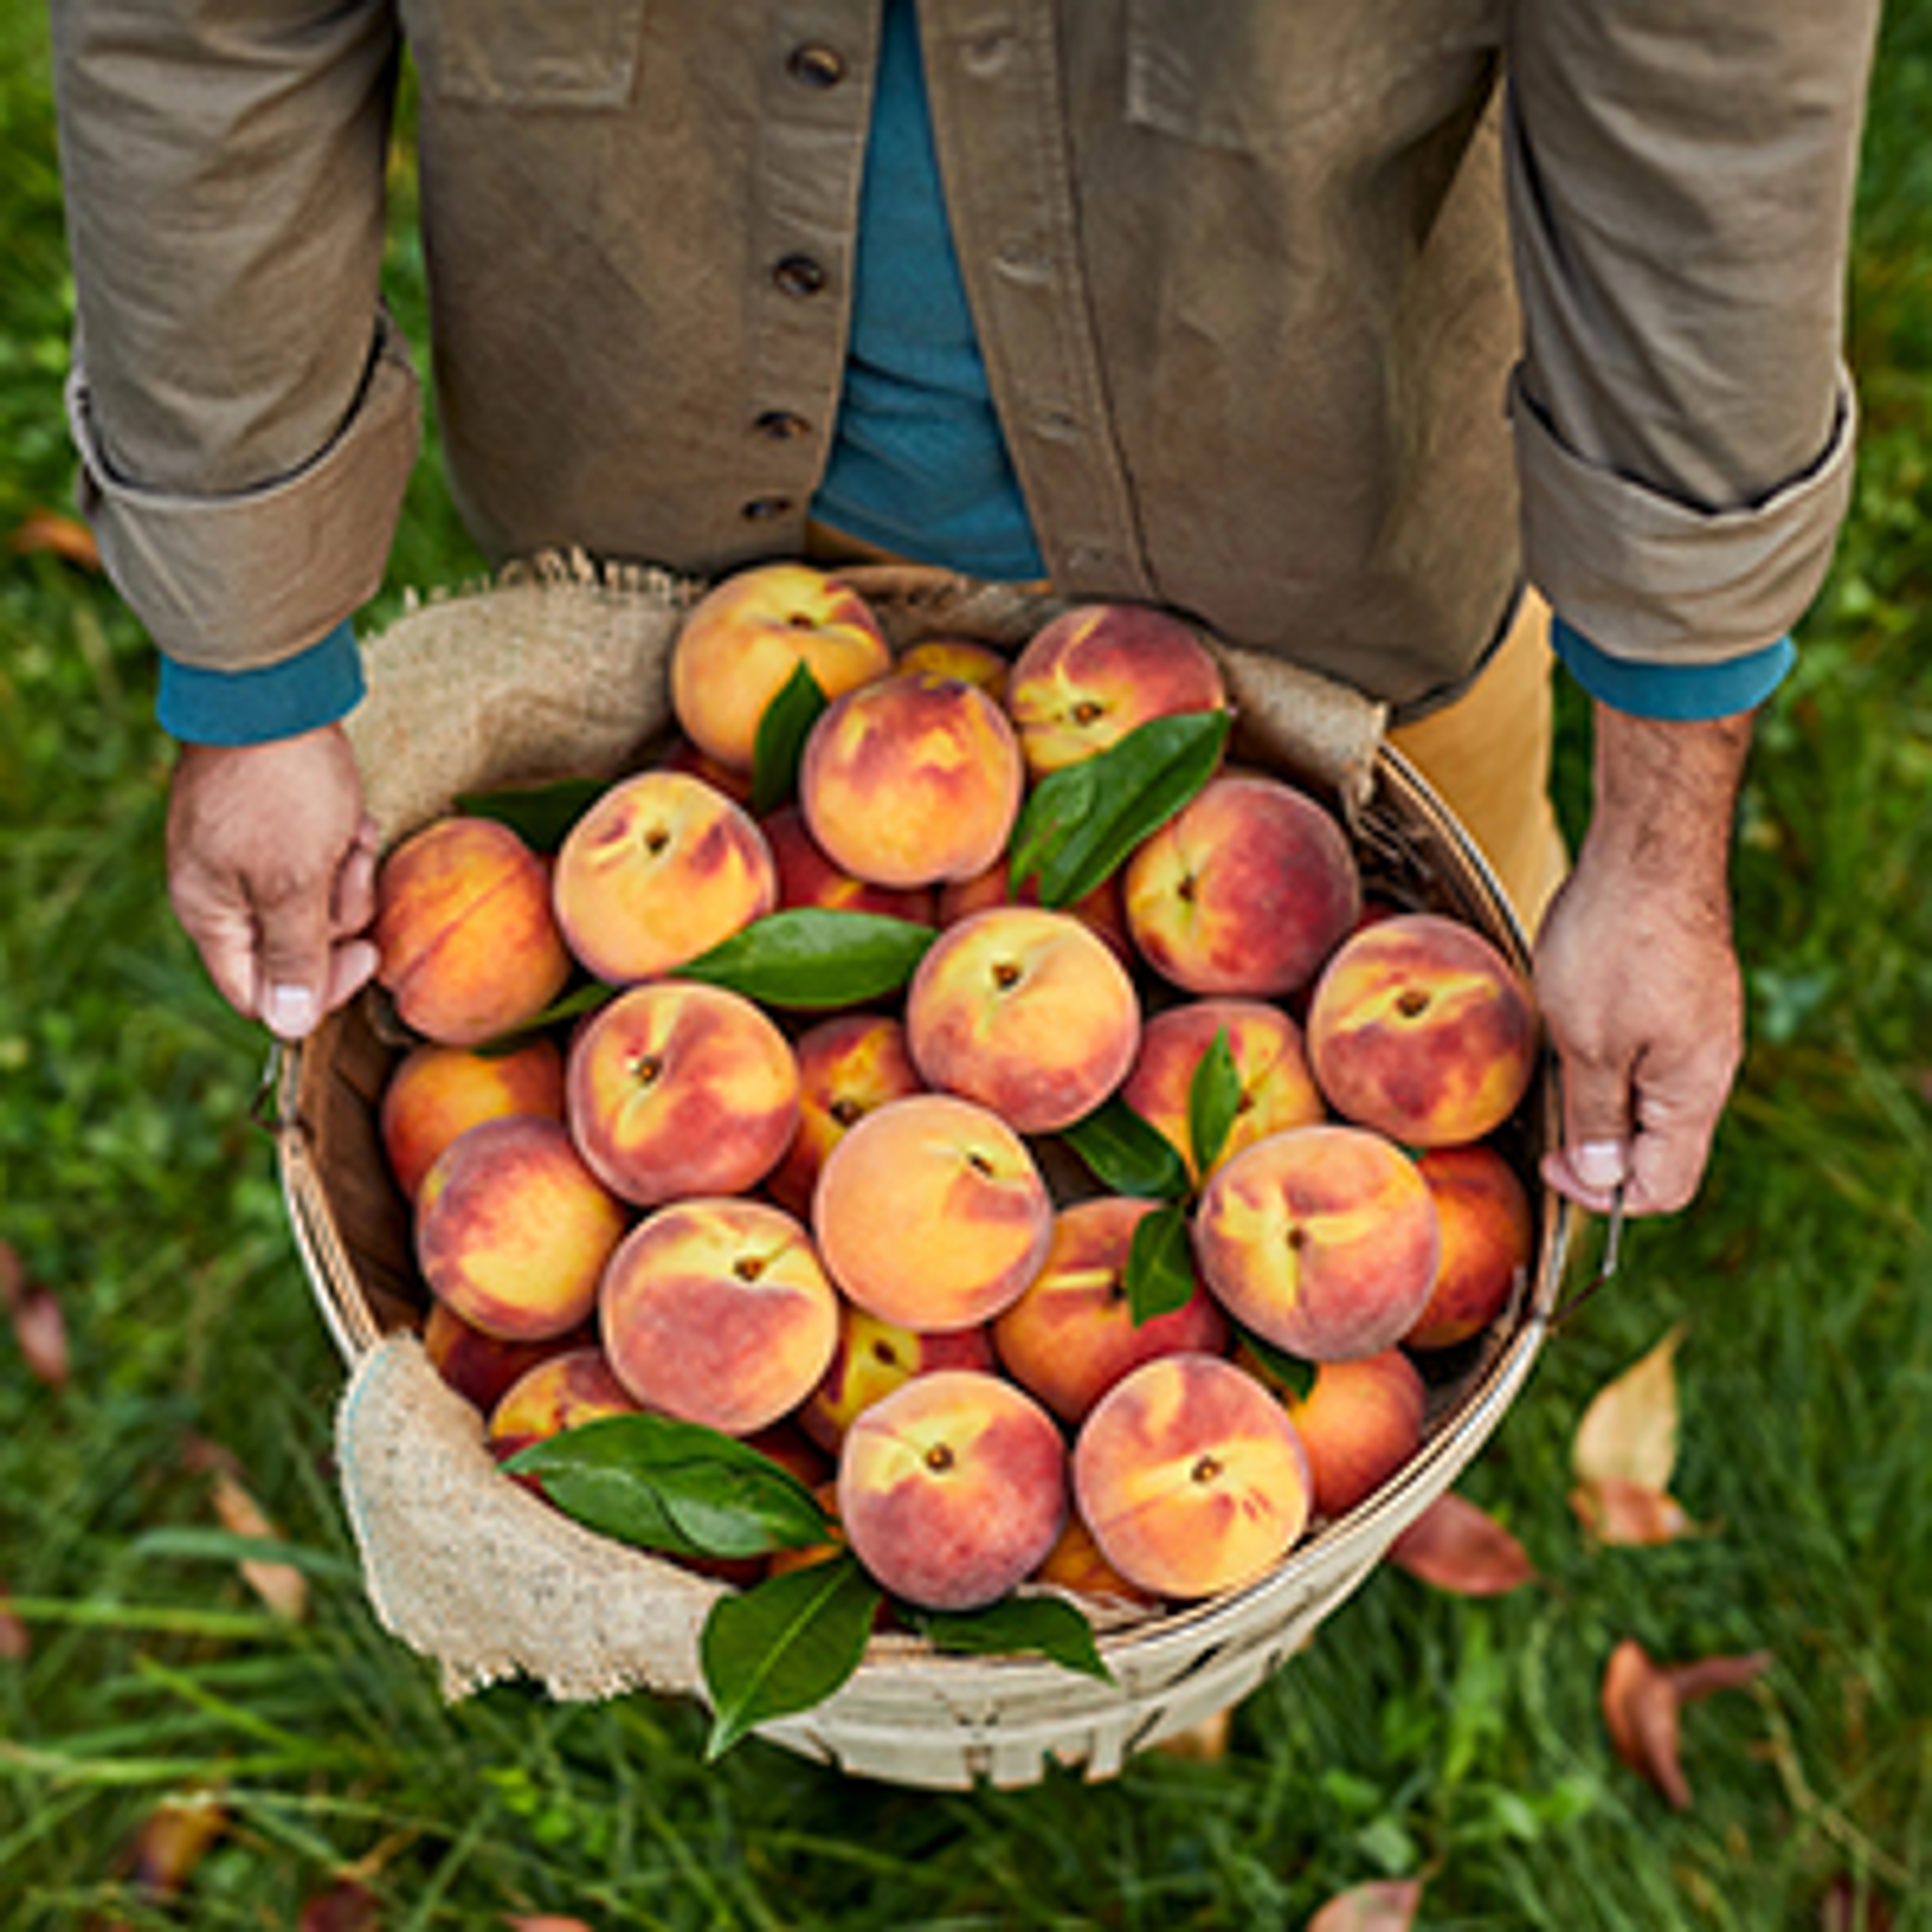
<point>1420,1733</point>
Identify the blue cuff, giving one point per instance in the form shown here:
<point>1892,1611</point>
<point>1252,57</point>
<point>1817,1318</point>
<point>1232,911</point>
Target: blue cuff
<point>1681,693</point>
<point>315,687</point>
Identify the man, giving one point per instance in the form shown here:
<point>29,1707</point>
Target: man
<point>1214,307</point>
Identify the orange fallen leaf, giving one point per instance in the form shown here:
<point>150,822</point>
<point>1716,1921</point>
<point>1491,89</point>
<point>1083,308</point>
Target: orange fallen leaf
<point>346,1907</point>
<point>1455,1545</point>
<point>1386,1905</point>
<point>1625,1450</point>
<point>39,1327</point>
<point>280,1585</point>
<point>170,1842</point>
<point>16,1641</point>
<point>1641,1700</point>
<point>1614,1511</point>
<point>48,532</point>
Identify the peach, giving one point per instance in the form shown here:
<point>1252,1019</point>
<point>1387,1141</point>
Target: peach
<point>1026,1012</point>
<point>931,1213</point>
<point>960,658</point>
<point>1072,1335</point>
<point>1101,910</point>
<point>661,868</point>
<point>1322,1240</point>
<point>871,1360</point>
<point>912,781</point>
<point>847,1065</point>
<point>681,755</point>
<point>481,1367</point>
<point>435,1092</point>
<point>1074,1563</point>
<point>743,640</point>
<point>1359,1423</point>
<point>952,1489</point>
<point>1489,1243</point>
<point>513,1229</point>
<point>1095,673</point>
<point>807,877</point>
<point>563,1392</point>
<point>675,1087</point>
<point>468,944</point>
<point>716,1310</point>
<point>1191,1477</point>
<point>1419,1027</point>
<point>1277,1090</point>
<point>1246,890</point>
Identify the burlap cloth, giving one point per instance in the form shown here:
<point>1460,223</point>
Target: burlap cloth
<point>559,670</point>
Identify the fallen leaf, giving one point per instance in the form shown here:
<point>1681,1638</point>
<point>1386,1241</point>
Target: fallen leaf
<point>1614,1511</point>
<point>344,1907</point>
<point>47,531</point>
<point>1455,1545</point>
<point>1641,1700</point>
<point>39,1327</point>
<point>282,1587</point>
<point>15,1641</point>
<point>1385,1905</point>
<point>1629,1431</point>
<point>1848,1906</point>
<point>546,1922</point>
<point>170,1842</point>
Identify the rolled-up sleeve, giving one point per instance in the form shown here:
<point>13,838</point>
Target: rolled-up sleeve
<point>246,417</point>
<point>1680,178</point>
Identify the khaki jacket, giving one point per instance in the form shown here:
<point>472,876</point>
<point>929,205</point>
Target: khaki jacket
<point>1296,319</point>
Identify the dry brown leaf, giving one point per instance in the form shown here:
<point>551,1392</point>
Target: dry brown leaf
<point>170,1842</point>
<point>1629,1432</point>
<point>1614,1511</point>
<point>47,532</point>
<point>345,1906</point>
<point>283,1588</point>
<point>1387,1905</point>
<point>39,1327</point>
<point>16,1640</point>
<point>1850,1907</point>
<point>547,1921</point>
<point>1455,1545</point>
<point>1642,1699</point>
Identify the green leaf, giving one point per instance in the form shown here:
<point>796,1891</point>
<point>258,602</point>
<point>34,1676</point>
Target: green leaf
<point>539,814</point>
<point>1289,1374</point>
<point>584,999</point>
<point>784,1645</point>
<point>1213,1101</point>
<point>808,956</point>
<point>677,1486</point>
<point>1128,1154</point>
<point>1048,1626</point>
<point>1080,822</point>
<point>786,724</point>
<point>1160,1264</point>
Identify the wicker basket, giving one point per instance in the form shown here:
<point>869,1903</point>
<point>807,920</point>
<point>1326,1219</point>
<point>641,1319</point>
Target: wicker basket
<point>908,1716</point>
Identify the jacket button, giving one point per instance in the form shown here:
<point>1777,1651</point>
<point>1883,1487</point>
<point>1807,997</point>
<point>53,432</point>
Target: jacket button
<point>814,65</point>
<point>781,425</point>
<point>763,509</point>
<point>798,275</point>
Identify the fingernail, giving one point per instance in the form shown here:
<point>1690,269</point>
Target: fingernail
<point>290,1012</point>
<point>1598,1163</point>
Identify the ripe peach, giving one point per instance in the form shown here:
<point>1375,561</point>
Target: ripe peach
<point>564,1392</point>
<point>871,1360</point>
<point>1191,1477</point>
<point>960,658</point>
<point>952,1489</point>
<point>1270,1064</point>
<point>715,1310</point>
<point>931,1213</point>
<point>1361,1422</point>
<point>435,1092</point>
<point>1072,1335</point>
<point>512,1228</point>
<point>681,755</point>
<point>479,1367</point>
<point>807,877</point>
<point>847,1065</point>
<point>676,1088</point>
<point>741,642</point>
<point>911,781</point>
<point>468,946</point>
<point>1246,890</point>
<point>661,868</point>
<point>1421,1028</point>
<point>1094,674</point>
<point>1074,1563</point>
<point>1026,1012</point>
<point>1101,910</point>
<point>1323,1240</point>
<point>1488,1242</point>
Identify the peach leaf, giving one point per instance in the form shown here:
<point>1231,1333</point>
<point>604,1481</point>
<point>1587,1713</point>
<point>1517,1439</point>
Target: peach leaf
<point>1385,1905</point>
<point>1455,1545</point>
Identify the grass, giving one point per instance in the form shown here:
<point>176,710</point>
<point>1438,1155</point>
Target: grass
<point>1421,1733</point>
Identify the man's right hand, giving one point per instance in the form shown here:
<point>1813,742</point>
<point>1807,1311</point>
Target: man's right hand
<point>271,871</point>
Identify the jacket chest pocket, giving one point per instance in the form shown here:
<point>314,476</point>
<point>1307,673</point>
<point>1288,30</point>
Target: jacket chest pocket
<point>526,53</point>
<point>1251,74</point>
